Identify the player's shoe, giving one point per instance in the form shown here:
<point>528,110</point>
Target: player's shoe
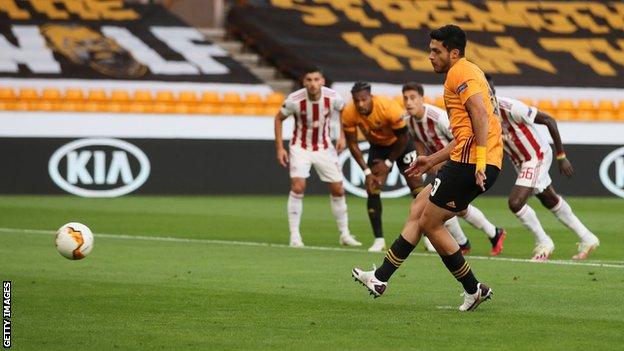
<point>585,248</point>
<point>367,278</point>
<point>542,252</point>
<point>500,238</point>
<point>296,242</point>
<point>379,245</point>
<point>349,240</point>
<point>465,248</point>
<point>472,301</point>
<point>428,246</point>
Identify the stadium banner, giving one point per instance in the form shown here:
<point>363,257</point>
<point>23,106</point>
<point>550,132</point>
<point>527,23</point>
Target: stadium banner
<point>521,43</point>
<point>109,167</point>
<point>99,43</point>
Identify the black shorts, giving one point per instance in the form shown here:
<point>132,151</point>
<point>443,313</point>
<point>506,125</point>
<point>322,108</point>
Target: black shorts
<point>455,185</point>
<point>378,152</point>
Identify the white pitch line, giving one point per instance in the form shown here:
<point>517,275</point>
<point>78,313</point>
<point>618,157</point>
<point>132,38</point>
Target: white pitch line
<point>611,264</point>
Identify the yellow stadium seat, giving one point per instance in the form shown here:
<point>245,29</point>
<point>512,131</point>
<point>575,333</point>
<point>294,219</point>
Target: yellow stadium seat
<point>51,94</point>
<point>428,100</point>
<point>188,97</point>
<point>27,94</point>
<point>231,99</point>
<point>439,101</point>
<point>399,100</point>
<point>547,106</point>
<point>164,96</point>
<point>206,109</point>
<point>253,100</point>
<point>528,101</point>
<point>7,94</point>
<point>620,107</point>
<point>606,110</point>
<point>268,111</point>
<point>96,95</point>
<point>74,95</point>
<point>120,96</point>
<point>210,97</point>
<point>274,99</point>
<point>566,110</point>
<point>143,96</point>
<point>585,110</point>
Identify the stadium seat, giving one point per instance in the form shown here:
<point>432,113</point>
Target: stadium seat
<point>97,95</point>
<point>399,100</point>
<point>142,96</point>
<point>120,96</point>
<point>7,94</point>
<point>27,94</point>
<point>566,110</point>
<point>439,101</point>
<point>206,109</point>
<point>74,95</point>
<point>428,100</point>
<point>51,94</point>
<point>231,99</point>
<point>528,101</point>
<point>253,100</point>
<point>187,97</point>
<point>585,110</point>
<point>274,99</point>
<point>210,97</point>
<point>546,105</point>
<point>164,96</point>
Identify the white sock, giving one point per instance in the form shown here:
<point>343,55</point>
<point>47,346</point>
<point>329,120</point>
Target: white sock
<point>477,219</point>
<point>563,212</point>
<point>295,209</point>
<point>527,216</point>
<point>453,227</point>
<point>339,210</point>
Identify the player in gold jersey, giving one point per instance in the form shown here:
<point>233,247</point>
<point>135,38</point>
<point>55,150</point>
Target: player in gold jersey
<point>380,120</point>
<point>473,161</point>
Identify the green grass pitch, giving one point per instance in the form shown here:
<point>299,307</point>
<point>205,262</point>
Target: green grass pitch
<point>219,292</point>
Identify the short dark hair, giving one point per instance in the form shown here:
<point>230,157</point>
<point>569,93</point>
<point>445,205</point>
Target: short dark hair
<point>312,69</point>
<point>414,86</point>
<point>451,36</point>
<point>361,86</point>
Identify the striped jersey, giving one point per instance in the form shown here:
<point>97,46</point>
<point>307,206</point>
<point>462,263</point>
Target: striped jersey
<point>521,140</point>
<point>312,118</point>
<point>433,129</point>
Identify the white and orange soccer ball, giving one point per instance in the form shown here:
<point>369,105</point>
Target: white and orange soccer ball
<point>74,240</point>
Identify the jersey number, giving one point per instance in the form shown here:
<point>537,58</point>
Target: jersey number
<point>527,173</point>
<point>436,184</point>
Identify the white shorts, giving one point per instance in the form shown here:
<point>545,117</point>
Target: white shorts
<point>534,173</point>
<point>325,163</point>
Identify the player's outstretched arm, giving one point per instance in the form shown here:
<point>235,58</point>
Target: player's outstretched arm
<point>281,153</point>
<point>424,163</point>
<point>479,118</point>
<point>565,167</point>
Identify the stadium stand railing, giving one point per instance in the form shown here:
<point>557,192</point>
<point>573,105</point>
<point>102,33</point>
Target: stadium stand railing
<point>232,103</point>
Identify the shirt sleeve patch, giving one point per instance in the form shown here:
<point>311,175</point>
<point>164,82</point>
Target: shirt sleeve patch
<point>463,86</point>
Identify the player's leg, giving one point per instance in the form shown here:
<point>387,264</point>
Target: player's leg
<point>562,210</point>
<point>453,227</point>
<point>453,190</point>
<point>376,280</point>
<point>300,164</point>
<point>525,187</point>
<point>373,202</point>
<point>477,219</point>
<point>325,163</point>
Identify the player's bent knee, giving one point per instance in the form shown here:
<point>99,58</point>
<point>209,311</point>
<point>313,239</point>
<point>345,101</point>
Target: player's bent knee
<point>515,204</point>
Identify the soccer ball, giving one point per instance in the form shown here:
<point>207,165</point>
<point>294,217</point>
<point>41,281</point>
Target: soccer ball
<point>74,240</point>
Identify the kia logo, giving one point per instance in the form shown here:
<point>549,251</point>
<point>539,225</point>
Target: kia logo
<point>613,165</point>
<point>354,176</point>
<point>99,167</point>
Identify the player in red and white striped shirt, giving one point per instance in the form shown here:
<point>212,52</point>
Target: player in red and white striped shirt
<point>532,157</point>
<point>430,128</point>
<point>311,145</point>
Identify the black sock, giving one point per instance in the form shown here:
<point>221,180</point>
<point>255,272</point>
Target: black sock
<point>494,240</point>
<point>460,269</point>
<point>397,253</point>
<point>374,214</point>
